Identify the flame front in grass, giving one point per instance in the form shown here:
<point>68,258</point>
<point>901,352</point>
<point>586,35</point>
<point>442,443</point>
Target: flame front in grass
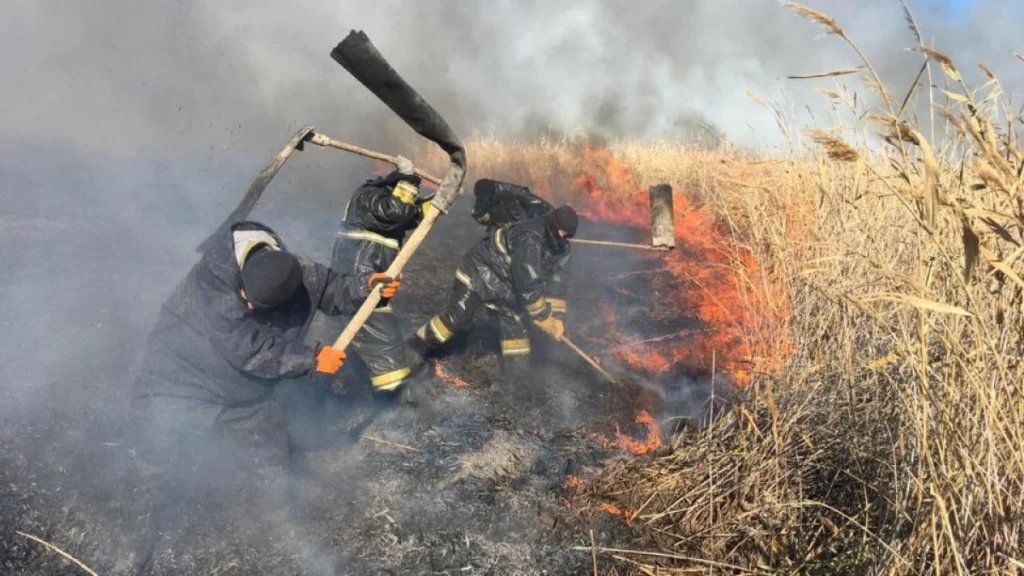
<point>611,509</point>
<point>637,447</point>
<point>709,276</point>
<point>614,510</point>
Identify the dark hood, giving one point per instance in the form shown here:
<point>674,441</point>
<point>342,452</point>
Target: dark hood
<point>219,258</point>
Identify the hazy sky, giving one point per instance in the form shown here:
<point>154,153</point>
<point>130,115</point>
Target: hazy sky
<point>189,78</point>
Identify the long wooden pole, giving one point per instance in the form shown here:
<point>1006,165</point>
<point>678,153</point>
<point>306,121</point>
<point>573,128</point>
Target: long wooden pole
<point>619,244</point>
<point>410,246</point>
<point>326,141</point>
<point>586,357</point>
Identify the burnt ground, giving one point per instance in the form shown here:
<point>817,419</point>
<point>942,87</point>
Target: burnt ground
<point>469,481</point>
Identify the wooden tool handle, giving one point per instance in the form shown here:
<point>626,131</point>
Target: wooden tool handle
<point>618,244</point>
<point>323,140</point>
<point>586,357</point>
<point>326,141</point>
<point>410,246</point>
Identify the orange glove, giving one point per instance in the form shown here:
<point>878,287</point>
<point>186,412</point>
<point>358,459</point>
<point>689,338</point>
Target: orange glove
<point>552,326</point>
<point>390,285</point>
<point>329,360</point>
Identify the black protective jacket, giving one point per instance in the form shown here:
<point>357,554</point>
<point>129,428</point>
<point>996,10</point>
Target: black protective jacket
<point>510,204</point>
<point>515,267</point>
<point>208,346</point>
<point>375,224</point>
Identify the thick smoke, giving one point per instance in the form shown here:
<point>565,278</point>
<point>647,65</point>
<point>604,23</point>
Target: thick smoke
<point>226,80</point>
<point>129,129</point>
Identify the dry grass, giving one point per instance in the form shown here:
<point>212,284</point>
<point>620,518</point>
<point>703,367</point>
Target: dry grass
<point>893,439</point>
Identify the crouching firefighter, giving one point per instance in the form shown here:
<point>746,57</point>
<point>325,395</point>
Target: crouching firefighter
<point>377,218</point>
<point>203,404</point>
<point>500,204</point>
<point>507,273</point>
<point>232,330</point>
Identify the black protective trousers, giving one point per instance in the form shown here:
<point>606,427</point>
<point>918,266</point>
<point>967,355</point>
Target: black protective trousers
<point>379,342</point>
<point>463,305</point>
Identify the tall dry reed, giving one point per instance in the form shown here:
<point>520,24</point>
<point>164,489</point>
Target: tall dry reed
<point>893,439</point>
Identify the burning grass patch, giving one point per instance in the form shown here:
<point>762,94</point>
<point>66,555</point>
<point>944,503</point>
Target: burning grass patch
<point>871,301</point>
<point>713,276</point>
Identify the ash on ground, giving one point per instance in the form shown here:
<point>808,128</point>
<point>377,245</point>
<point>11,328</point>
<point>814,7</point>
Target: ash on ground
<point>472,480</point>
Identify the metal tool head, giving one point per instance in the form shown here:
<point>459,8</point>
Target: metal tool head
<point>663,225</point>
<point>366,64</point>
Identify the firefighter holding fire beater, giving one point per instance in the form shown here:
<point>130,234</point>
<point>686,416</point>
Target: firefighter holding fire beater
<point>499,204</point>
<point>376,220</point>
<point>510,273</point>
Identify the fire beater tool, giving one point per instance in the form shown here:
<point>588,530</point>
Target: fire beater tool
<point>359,56</point>
<point>588,359</point>
<point>323,140</point>
<point>241,212</point>
<point>663,229</point>
<point>663,225</point>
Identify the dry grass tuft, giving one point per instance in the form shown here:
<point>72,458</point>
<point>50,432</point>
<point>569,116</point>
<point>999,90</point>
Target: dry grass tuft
<point>829,74</point>
<point>818,17</point>
<point>943,60</point>
<point>891,441</point>
<point>836,148</point>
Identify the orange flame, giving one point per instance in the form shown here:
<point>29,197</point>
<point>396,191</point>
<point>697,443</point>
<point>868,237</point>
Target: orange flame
<point>708,275</point>
<point>573,482</point>
<point>445,376</point>
<point>627,515</point>
<point>637,447</point>
<point>611,509</point>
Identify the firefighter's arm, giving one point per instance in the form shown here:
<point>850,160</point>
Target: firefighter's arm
<point>558,287</point>
<point>345,293</point>
<point>259,350</point>
<point>527,277</point>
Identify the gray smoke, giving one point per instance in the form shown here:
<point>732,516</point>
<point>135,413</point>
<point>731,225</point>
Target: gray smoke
<point>129,129</point>
<point>229,79</point>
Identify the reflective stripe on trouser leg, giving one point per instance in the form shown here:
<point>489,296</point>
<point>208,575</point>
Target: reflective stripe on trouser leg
<point>390,381</point>
<point>558,306</point>
<point>381,347</point>
<point>515,341</point>
<point>456,316</point>
<point>440,331</point>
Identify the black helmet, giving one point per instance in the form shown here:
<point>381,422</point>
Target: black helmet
<point>270,277</point>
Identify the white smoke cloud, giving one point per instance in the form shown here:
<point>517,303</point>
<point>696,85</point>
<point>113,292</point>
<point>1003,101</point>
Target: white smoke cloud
<point>197,78</point>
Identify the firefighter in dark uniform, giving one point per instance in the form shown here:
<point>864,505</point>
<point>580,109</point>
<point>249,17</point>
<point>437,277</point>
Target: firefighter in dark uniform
<point>231,331</point>
<point>375,224</point>
<point>509,273</point>
<point>498,204</point>
<point>203,406</point>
